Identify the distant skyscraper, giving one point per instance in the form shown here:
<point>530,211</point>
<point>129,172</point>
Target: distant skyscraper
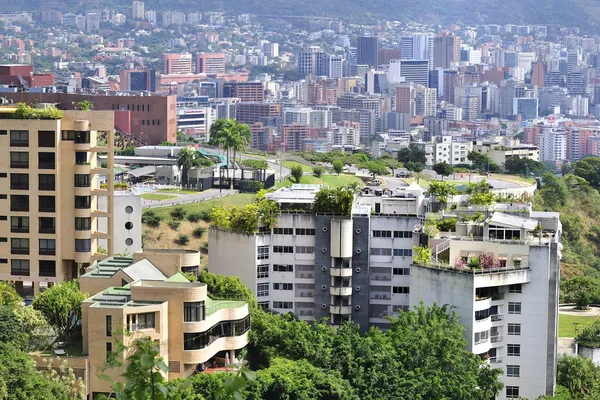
<point>418,47</point>
<point>312,62</point>
<point>138,10</point>
<point>177,63</point>
<point>386,55</point>
<point>416,71</point>
<point>92,21</point>
<point>446,50</point>
<point>150,16</point>
<point>138,80</point>
<point>367,51</point>
<point>210,63</point>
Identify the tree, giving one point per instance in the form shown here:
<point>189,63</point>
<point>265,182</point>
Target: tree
<point>230,135</point>
<point>226,287</point>
<point>84,105</point>
<point>579,290</point>
<point>334,201</point>
<point>414,166</point>
<point>297,172</point>
<point>392,164</point>
<point>443,169</point>
<point>317,172</point>
<point>242,136</point>
<point>479,193</point>
<point>24,327</point>
<point>589,169</point>
<point>8,295</point>
<point>375,168</point>
<point>338,166</point>
<point>554,191</point>
<point>412,153</point>
<point>580,376</point>
<point>61,306</point>
<point>523,166</point>
<point>482,162</point>
<point>187,159</point>
<point>442,191</point>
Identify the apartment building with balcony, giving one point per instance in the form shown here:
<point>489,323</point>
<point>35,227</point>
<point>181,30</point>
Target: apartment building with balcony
<point>501,276</point>
<point>50,192</point>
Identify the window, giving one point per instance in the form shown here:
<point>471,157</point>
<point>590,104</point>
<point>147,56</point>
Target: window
<point>3,133</point>
<point>83,202</point>
<point>262,271</point>
<point>83,223</point>
<point>19,224</point>
<point>19,246</point>
<point>47,225</point>
<point>513,350</point>
<point>46,138</point>
<point>286,305</point>
<point>47,204</point>
<point>3,175</point>
<point>514,307</point>
<point>47,247</point>
<point>81,157</point>
<point>19,203</point>
<point>378,251</point>
<point>400,290</point>
<point>145,321</point>
<point>283,286</point>
<point>19,138</point>
<point>19,159</point>
<point>47,268</point>
<point>262,289</point>
<point>19,181</point>
<point>283,231</point>
<point>283,268</point>
<point>68,135</point>
<point>512,392</point>
<point>264,305</point>
<point>196,341</point>
<point>515,288</point>
<point>193,311</point>
<point>82,137</point>
<point>514,329</point>
<point>382,234</point>
<point>109,325</point>
<point>401,271</point>
<point>82,180</point>
<point>46,160</point>
<point>513,371</point>
<point>403,234</point>
<point>83,245</point>
<point>402,252</point>
<point>305,231</point>
<point>108,351</point>
<point>46,182</point>
<point>283,249</point>
<point>19,267</point>
<point>263,253</point>
<point>305,249</point>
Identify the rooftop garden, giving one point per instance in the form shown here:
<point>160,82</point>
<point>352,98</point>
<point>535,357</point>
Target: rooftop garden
<point>26,112</point>
<point>248,218</point>
<point>590,336</point>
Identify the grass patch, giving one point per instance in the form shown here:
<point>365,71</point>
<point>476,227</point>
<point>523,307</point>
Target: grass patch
<point>329,180</point>
<point>566,328</point>
<point>233,200</point>
<point>156,196</point>
<point>179,191</point>
<point>290,164</point>
<point>514,178</point>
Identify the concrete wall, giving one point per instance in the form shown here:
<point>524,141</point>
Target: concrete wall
<point>233,254</point>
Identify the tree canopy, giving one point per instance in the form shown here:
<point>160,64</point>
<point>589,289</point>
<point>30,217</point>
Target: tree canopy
<point>589,169</point>
<point>334,201</point>
<point>443,169</point>
<point>412,153</point>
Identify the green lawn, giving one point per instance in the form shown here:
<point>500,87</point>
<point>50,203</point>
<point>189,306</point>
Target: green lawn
<point>233,200</point>
<point>329,180</point>
<point>566,328</point>
<point>157,196</point>
<point>290,164</point>
<point>182,191</point>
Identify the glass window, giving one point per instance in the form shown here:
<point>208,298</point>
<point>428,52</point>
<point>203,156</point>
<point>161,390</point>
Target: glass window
<point>46,138</point>
<point>382,234</point>
<point>109,325</point>
<point>403,234</point>
<point>82,180</point>
<point>283,249</point>
<point>402,252</point>
<point>19,267</point>
<point>46,160</point>
<point>83,245</point>
<point>108,351</point>
<point>193,311</point>
<point>47,225</point>
<point>83,202</point>
<point>513,371</point>
<point>283,231</point>
<point>380,251</point>
<point>19,202</point>
<point>48,268</point>
<point>514,307</point>
<point>68,135</point>
<point>46,182</point>
<point>515,288</point>
<point>82,137</point>
<point>400,290</point>
<point>286,305</point>
<point>512,392</point>
<point>305,249</point>
<point>262,289</point>
<point>19,224</point>
<point>19,181</point>
<point>283,268</point>
<point>283,286</point>
<point>83,223</point>
<point>514,329</point>
<point>263,253</point>
<point>19,159</point>
<point>19,138</point>
<point>47,204</point>
<point>305,231</point>
<point>145,321</point>
<point>262,271</point>
<point>19,246</point>
<point>196,341</point>
<point>47,247</point>
<point>513,350</point>
<point>401,271</point>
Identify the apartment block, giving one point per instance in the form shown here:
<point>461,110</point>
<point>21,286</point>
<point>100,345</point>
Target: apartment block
<point>52,189</point>
<point>210,63</point>
<point>177,64</point>
<point>249,113</point>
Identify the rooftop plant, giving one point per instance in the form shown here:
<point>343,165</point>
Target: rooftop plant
<point>26,112</point>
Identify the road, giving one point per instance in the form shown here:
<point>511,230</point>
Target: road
<point>188,198</point>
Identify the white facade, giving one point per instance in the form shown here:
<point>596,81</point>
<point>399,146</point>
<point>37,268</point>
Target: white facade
<point>553,145</point>
<point>452,152</point>
<point>127,222</point>
<point>196,121</point>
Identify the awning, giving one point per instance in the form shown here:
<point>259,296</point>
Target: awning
<point>474,253</point>
<point>517,257</point>
<point>502,257</point>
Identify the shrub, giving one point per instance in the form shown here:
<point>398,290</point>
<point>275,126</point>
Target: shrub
<point>297,172</point>
<point>150,218</point>
<point>183,239</point>
<point>446,225</point>
<point>178,213</point>
<point>199,231</point>
<point>317,172</point>
<point>205,216</point>
<point>174,224</point>
<point>253,186</point>
<point>194,217</point>
<point>26,112</point>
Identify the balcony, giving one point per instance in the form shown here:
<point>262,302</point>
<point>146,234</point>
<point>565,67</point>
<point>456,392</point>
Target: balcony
<point>16,229</point>
<point>495,360</point>
<point>340,309</point>
<point>481,325</point>
<point>19,143</point>
<point>483,303</point>
<point>343,272</point>
<point>48,231</point>
<point>497,317</point>
<point>497,339</point>
<point>47,252</point>
<point>340,291</point>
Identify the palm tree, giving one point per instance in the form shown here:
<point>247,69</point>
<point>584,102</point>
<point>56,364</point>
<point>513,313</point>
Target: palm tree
<point>185,161</point>
<point>241,137</point>
<point>220,135</point>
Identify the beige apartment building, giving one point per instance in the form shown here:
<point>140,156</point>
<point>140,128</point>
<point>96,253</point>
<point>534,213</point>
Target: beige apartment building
<point>50,186</point>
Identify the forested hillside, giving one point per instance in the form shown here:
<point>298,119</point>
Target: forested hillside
<point>581,13</point>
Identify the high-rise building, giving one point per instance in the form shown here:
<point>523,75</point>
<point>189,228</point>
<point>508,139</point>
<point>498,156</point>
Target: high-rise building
<point>553,145</point>
<point>367,51</point>
<point>418,47</point>
<point>138,12</point>
<point>526,107</point>
<point>335,66</point>
<point>52,183</point>
<point>312,62</point>
<point>141,80</point>
<point>249,113</point>
<point>446,50</point>
<point>150,16</point>
<point>245,91</point>
<point>415,71</point>
<point>210,63</point>
<point>92,21</point>
<point>177,63</point>
<point>384,56</point>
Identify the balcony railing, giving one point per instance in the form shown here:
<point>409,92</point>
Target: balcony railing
<point>482,341</point>
<point>19,250</point>
<point>498,296</point>
<point>497,339</point>
<point>496,317</point>
<point>495,360</point>
<point>17,164</point>
<point>47,252</point>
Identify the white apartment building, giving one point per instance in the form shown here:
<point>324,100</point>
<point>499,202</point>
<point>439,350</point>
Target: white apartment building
<point>361,268</point>
<point>553,145</point>
<point>345,136</point>
<point>447,149</point>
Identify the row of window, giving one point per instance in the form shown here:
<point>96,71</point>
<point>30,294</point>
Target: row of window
<point>21,138</point>
<point>47,247</point>
<point>23,267</point>
<point>290,249</point>
<point>20,202</point>
<point>145,107</point>
<point>21,224</point>
<point>197,341</point>
<point>19,159</point>
<point>21,182</point>
<point>283,286</point>
<point>290,231</point>
<point>380,251</point>
<point>395,234</point>
<point>401,290</point>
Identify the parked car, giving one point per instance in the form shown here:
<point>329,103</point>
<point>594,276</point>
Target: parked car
<point>402,174</point>
<point>374,182</point>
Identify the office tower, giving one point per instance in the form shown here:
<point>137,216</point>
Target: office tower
<point>395,72</point>
<point>367,51</point>
<point>368,120</point>
<point>271,50</point>
<point>245,91</point>
<point>138,80</point>
<point>312,62</point>
<point>451,81</point>
<point>418,47</point>
<point>425,100</point>
<point>577,83</point>
<point>553,145</point>
<point>526,107</point>
<point>577,106</point>
<point>537,76</point>
<point>296,115</point>
<point>249,113</point>
<point>138,10</point>
<point>177,63</point>
<point>292,136</point>
<point>52,205</point>
<point>376,82</point>
<point>173,18</point>
<point>385,56</point>
<point>92,21</point>
<point>446,50</point>
<point>394,120</point>
<point>573,61</point>
<point>510,59</point>
<point>335,66</point>
<point>416,71</point>
<point>150,16</point>
<point>210,63</point>
<point>403,99</point>
<point>469,98</point>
